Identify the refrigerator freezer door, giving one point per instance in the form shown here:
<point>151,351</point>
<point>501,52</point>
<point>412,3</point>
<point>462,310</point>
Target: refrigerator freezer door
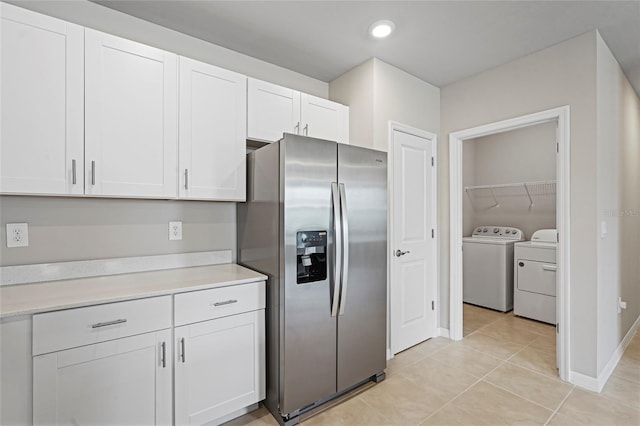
<point>307,329</point>
<point>362,326</point>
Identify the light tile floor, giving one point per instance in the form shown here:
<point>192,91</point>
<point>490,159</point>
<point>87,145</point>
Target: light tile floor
<point>502,373</point>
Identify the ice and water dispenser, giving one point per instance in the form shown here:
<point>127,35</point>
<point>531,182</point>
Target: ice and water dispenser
<point>311,251</point>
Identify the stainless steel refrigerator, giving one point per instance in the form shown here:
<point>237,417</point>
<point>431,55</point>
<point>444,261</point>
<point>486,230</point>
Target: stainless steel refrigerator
<point>315,222</point>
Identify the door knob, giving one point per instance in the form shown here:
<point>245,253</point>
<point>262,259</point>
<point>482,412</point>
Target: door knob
<point>401,253</point>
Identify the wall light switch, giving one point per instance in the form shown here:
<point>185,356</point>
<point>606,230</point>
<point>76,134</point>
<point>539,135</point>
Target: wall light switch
<point>175,230</point>
<point>17,234</point>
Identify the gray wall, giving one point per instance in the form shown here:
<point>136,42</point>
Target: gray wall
<point>377,93</point>
<point>523,155</point>
<point>564,74</point>
<point>92,15</point>
<point>618,175</point>
<point>67,229</point>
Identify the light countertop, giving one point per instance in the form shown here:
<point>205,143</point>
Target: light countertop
<point>25,299</point>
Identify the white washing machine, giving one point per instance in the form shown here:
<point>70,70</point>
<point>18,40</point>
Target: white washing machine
<point>535,277</point>
<point>487,259</point>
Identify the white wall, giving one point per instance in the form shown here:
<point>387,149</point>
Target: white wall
<point>564,74</point>
<point>523,155</point>
<point>618,197</point>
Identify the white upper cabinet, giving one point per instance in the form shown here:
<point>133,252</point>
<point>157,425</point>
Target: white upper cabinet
<point>130,118</point>
<point>41,141</point>
<point>273,110</point>
<point>212,132</point>
<point>324,119</point>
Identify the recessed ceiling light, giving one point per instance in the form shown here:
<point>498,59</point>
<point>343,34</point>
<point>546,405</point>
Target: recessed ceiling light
<point>382,29</point>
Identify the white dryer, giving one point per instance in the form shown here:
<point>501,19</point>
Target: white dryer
<point>487,259</point>
<point>535,277</point>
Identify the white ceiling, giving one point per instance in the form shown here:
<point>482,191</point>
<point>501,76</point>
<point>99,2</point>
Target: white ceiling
<point>438,41</point>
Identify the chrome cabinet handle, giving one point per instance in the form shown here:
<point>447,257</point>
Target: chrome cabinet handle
<point>552,268</point>
<point>226,302</point>
<point>73,172</point>
<point>306,129</point>
<point>163,354</point>
<point>93,172</point>
<point>186,178</point>
<point>182,357</point>
<point>297,128</point>
<point>401,253</point>
<point>345,249</point>
<point>337,241</point>
<point>105,324</point>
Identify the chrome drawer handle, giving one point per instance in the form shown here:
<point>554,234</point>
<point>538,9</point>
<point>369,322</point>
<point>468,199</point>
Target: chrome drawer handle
<point>226,302</point>
<point>104,324</point>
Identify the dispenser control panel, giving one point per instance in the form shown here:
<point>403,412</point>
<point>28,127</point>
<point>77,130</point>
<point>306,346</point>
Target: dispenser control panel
<point>311,256</point>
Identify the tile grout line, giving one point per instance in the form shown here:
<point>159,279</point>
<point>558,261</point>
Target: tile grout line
<point>465,390</point>
<point>523,397</point>
<point>560,405</point>
<point>372,407</point>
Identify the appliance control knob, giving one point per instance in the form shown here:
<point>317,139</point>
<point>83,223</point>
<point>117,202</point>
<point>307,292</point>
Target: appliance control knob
<point>508,231</point>
<point>496,230</point>
<point>484,230</point>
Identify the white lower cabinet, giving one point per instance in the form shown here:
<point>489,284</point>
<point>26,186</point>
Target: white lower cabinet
<point>117,372</point>
<point>219,363</point>
<point>123,381</point>
<point>114,364</point>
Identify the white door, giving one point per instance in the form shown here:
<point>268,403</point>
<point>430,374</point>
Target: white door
<point>271,111</point>
<point>42,124</point>
<point>130,117</point>
<point>213,132</point>
<point>324,119</point>
<point>412,243</point>
<point>219,367</point>
<point>120,382</point>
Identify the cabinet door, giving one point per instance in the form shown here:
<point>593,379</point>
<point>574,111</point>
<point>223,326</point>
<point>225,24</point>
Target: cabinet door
<point>219,367</point>
<point>324,119</point>
<point>213,114</point>
<point>122,381</point>
<point>131,118</point>
<point>42,124</point>
<point>271,111</point>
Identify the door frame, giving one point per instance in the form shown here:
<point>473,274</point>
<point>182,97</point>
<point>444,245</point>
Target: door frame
<point>435,272</point>
<point>563,203</point>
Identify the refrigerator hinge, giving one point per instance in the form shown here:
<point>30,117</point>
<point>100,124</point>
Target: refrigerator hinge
<point>433,233</point>
<point>433,161</point>
<point>557,328</point>
<point>433,305</point>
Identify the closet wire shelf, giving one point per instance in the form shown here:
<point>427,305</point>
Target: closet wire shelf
<point>538,188</point>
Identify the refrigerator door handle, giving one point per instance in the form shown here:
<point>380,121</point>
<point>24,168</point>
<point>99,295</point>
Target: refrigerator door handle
<point>337,241</point>
<point>345,250</point>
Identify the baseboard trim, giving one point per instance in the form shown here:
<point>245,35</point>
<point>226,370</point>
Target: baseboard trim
<point>597,384</point>
<point>617,355</point>
<point>583,381</point>
<point>443,332</point>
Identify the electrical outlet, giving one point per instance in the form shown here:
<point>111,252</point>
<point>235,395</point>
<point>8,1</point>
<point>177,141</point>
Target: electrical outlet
<point>17,234</point>
<point>175,230</point>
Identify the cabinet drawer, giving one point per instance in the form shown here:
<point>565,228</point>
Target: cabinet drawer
<point>218,302</point>
<point>70,328</point>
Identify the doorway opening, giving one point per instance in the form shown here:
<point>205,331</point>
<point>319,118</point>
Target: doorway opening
<point>559,117</point>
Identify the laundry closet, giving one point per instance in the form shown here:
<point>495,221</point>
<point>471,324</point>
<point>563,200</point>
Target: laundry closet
<point>509,222</point>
